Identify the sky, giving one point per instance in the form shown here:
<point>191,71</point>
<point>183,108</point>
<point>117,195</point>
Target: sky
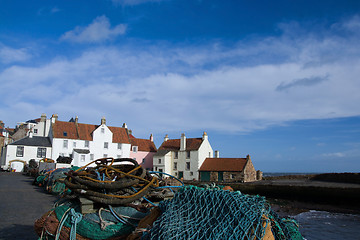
<point>278,80</point>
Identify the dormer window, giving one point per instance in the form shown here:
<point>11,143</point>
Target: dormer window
<point>65,134</point>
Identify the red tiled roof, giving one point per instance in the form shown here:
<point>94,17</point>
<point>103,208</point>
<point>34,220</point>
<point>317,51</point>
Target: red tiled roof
<point>59,128</point>
<point>144,145</point>
<point>174,144</point>
<point>84,131</point>
<point>119,135</point>
<point>223,164</point>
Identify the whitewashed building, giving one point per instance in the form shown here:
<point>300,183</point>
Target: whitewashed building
<point>182,157</point>
<point>86,142</point>
<point>20,152</point>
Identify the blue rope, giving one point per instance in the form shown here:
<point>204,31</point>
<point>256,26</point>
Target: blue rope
<point>75,218</point>
<point>182,184</point>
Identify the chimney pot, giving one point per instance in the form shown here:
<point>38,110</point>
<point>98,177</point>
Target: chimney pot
<point>166,138</point>
<point>151,137</point>
<point>103,121</point>
<point>183,142</point>
<point>217,154</point>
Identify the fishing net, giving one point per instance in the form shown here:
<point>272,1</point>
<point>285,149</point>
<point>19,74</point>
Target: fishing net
<point>284,228</point>
<point>197,213</point>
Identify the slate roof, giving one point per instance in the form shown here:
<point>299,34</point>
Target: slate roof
<point>82,151</point>
<point>223,164</point>
<point>174,144</point>
<point>144,145</point>
<point>33,141</point>
<point>83,131</point>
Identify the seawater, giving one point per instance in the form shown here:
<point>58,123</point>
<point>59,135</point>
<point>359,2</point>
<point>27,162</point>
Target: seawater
<point>319,225</point>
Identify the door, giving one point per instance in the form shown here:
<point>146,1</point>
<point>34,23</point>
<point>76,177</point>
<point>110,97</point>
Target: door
<point>181,174</point>
<point>205,176</point>
<point>220,176</point>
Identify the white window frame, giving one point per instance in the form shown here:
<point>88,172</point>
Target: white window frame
<point>87,143</point>
<point>20,151</point>
<point>119,146</point>
<point>82,158</point>
<point>41,152</point>
<point>135,149</point>
<point>65,143</point>
<point>106,145</point>
<point>187,166</point>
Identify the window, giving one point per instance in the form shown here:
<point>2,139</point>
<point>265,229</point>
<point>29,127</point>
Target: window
<point>65,134</point>
<point>82,158</point>
<point>209,154</point>
<point>35,131</point>
<point>102,130</point>
<point>19,151</point>
<point>160,170</point>
<point>118,156</point>
<point>232,176</point>
<point>106,145</point>
<point>188,154</point>
<point>191,173</point>
<point>62,154</point>
<point>143,161</point>
<point>105,155</point>
<point>91,157</point>
<point>176,154</point>
<point>65,144</point>
<point>87,144</point>
<point>175,173</point>
<point>187,166</point>
<point>135,149</point>
<point>159,160</point>
<point>74,144</point>
<point>119,146</point>
<point>175,165</point>
<point>41,152</point>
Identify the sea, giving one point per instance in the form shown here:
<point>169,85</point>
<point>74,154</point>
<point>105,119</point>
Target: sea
<point>322,225</point>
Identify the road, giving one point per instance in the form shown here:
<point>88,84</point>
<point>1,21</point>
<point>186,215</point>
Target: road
<point>21,203</point>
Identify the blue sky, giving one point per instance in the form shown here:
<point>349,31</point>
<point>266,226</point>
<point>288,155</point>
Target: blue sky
<point>278,80</point>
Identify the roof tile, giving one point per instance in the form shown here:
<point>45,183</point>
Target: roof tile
<point>174,144</point>
<point>223,164</point>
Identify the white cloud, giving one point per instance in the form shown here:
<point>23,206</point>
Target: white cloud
<point>210,87</point>
<point>336,154</point>
<point>98,31</point>
<point>11,55</point>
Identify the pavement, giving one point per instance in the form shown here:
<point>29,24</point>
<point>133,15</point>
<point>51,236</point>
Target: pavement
<point>21,204</point>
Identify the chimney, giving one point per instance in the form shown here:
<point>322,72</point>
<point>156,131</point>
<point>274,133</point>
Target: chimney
<point>248,157</point>
<point>31,134</point>
<point>54,118</point>
<point>103,121</point>
<point>166,138</point>
<point>205,136</point>
<point>124,125</point>
<point>76,120</point>
<point>2,124</point>
<point>183,142</point>
<point>43,117</point>
<point>151,137</point>
<point>217,154</point>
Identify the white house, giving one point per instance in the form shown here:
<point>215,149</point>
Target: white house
<point>20,152</point>
<point>86,142</point>
<point>182,157</point>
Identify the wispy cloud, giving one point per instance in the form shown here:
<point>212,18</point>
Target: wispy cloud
<point>134,2</point>
<point>305,82</point>
<point>336,154</point>
<point>11,55</point>
<point>99,30</point>
<point>196,87</point>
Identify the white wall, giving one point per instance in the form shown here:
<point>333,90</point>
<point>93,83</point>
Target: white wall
<point>96,147</point>
<point>30,152</point>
